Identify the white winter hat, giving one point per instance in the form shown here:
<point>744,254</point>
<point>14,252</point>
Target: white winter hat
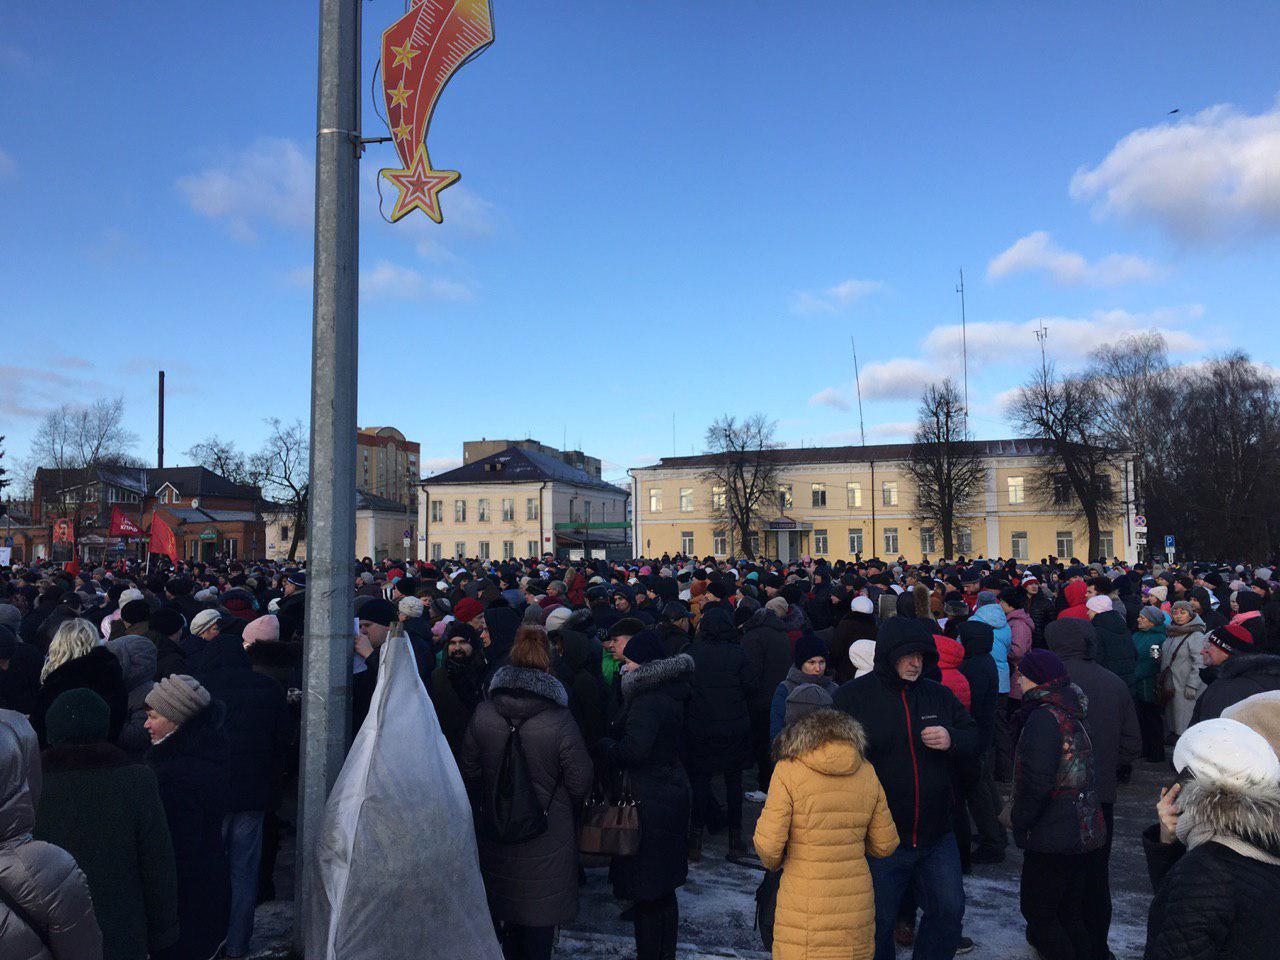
<point>863,605</point>
<point>411,607</point>
<point>862,654</point>
<point>557,617</point>
<point>1227,752</point>
<point>128,596</point>
<point>1099,604</point>
<point>203,620</point>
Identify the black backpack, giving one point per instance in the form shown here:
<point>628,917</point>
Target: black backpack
<point>513,813</point>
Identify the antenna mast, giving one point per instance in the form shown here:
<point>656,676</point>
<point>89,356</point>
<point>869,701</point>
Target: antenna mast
<point>1042,334</point>
<point>857,380</point>
<point>964,342</point>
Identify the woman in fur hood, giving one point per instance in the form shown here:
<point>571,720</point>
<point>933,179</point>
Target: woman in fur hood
<point>826,813</point>
<point>1216,863</point>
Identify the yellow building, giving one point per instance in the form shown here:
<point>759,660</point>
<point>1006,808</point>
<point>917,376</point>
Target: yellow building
<point>836,502</point>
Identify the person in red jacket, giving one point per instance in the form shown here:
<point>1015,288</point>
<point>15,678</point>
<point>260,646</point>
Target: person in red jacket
<point>1075,596</point>
<point>950,656</point>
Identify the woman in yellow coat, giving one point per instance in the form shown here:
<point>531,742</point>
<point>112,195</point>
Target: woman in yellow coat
<point>826,813</point>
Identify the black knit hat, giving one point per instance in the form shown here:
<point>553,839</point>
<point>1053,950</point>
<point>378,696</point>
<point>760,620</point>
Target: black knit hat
<point>808,647</point>
<point>135,611</point>
<point>166,621</point>
<point>644,647</point>
<point>379,611</point>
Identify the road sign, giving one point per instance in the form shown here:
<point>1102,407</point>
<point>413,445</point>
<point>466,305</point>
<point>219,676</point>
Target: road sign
<point>408,534</point>
<point>1169,542</point>
<point>1140,521</point>
<point>1140,536</point>
<point>8,541</point>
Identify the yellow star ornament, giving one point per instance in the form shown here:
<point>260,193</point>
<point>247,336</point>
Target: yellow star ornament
<point>404,55</point>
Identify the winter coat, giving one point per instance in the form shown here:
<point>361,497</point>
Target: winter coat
<point>256,729</point>
<point>290,612</point>
<point>778,705</point>
<point>850,629</point>
<point>917,779</point>
<point>1055,788</point>
<point>1216,900</point>
<point>578,668</point>
<point>719,725</point>
<point>98,671</point>
<point>826,813</point>
<point>1040,608</point>
<point>106,812</point>
<point>1022,631</point>
<point>189,766</point>
<point>950,657</point>
<point>648,736</point>
<point>20,680</point>
<point>1182,658</point>
<point>1147,667</point>
<point>41,878</point>
<point>456,688</point>
<point>979,670</point>
<point>1114,647</point>
<point>1111,719</point>
<point>1239,677</point>
<point>534,883</point>
<point>768,650</point>
<point>993,614</point>
<point>137,656</point>
<point>1073,599</point>
<point>674,640</point>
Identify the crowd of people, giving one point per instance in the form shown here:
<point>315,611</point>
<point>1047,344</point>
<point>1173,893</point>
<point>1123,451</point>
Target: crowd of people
<point>899,723</point>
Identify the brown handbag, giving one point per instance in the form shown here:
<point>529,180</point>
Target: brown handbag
<point>610,828</point>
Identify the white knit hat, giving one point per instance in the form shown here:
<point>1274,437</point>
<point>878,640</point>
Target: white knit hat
<point>557,617</point>
<point>411,607</point>
<point>1227,752</point>
<point>1099,604</point>
<point>128,596</point>
<point>862,604</point>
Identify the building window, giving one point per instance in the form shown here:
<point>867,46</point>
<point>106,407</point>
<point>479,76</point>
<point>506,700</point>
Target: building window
<point>437,511</point>
<point>508,509</point>
<point>755,544</point>
<point>655,500</point>
<point>533,548</point>
<point>1018,547</point>
<point>1106,544</point>
<point>437,550</point>
<point>1066,544</point>
<point>230,547</point>
<point>719,543</point>
<point>890,541</point>
<point>459,550</point>
<point>686,499</point>
<point>820,542</point>
<point>964,540</point>
<point>717,498</point>
<point>928,540</point>
<point>853,494</point>
<point>284,531</point>
<point>484,549</point>
<point>1017,494</point>
<point>531,508</point>
<point>686,542</point>
<point>855,540</point>
<point>1061,489</point>
<point>459,511</point>
<point>889,496</point>
<point>482,510</point>
<point>508,549</point>
<point>784,497</point>
<point>819,495</point>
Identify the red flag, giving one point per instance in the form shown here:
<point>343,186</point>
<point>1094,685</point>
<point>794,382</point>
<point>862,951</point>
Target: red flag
<point>162,539</point>
<point>122,524</point>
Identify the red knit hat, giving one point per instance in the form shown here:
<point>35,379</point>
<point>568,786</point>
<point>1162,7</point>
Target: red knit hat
<point>467,609</point>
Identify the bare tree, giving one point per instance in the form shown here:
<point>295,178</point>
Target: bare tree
<point>226,460</point>
<point>744,474</point>
<point>1066,413</point>
<point>74,438</point>
<point>3,482</point>
<point>947,472</point>
<point>284,466</point>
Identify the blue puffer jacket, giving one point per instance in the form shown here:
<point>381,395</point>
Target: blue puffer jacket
<point>992,614</point>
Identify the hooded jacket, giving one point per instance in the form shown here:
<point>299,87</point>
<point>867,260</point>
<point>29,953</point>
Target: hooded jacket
<point>1112,720</point>
<point>849,630</point>
<point>1074,596</point>
<point>768,650</point>
<point>795,678</point>
<point>1114,647</point>
<point>579,669</point>
<point>979,670</point>
<point>826,813</point>
<point>917,779</point>
<point>1239,677</point>
<point>137,656</point>
<point>950,657</point>
<point>719,724</point>
<point>41,878</point>
<point>1002,639</point>
<point>1214,901</point>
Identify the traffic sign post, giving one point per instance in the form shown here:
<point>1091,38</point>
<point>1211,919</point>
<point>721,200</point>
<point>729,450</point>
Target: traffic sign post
<point>1170,546</point>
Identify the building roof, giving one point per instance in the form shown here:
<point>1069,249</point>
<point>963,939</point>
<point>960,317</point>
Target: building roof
<point>189,515</point>
<point>199,482</point>
<point>521,465</point>
<point>858,454</point>
<point>371,501</point>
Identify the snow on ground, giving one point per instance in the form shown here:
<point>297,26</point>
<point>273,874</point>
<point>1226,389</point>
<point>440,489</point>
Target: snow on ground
<point>717,905</point>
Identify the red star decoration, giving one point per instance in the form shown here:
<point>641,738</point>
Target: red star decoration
<point>420,187</point>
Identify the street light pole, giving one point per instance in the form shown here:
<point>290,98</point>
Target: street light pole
<point>332,495</point>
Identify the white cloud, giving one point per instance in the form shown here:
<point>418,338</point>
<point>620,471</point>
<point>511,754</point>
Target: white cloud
<point>391,281</point>
<point>837,398</point>
<point>1037,252</point>
<point>1212,176</point>
<point>902,378</point>
<point>271,182</point>
<point>836,298</point>
<point>31,391</point>
<point>893,430</point>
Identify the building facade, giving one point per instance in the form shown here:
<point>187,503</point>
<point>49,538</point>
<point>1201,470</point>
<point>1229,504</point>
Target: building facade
<point>387,465</point>
<point>473,450</point>
<point>382,526</point>
<point>517,503</point>
<point>842,502</point>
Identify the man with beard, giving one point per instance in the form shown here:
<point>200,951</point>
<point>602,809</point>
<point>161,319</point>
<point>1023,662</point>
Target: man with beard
<point>457,685</point>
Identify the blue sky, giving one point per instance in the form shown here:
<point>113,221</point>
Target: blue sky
<point>664,208</point>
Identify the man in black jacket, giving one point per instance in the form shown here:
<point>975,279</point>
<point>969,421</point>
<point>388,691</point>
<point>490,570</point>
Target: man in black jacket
<point>768,650</point>
<point>977,780</point>
<point>916,730</point>
<point>1234,670</point>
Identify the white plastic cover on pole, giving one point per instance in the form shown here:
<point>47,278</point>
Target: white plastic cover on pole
<point>396,861</point>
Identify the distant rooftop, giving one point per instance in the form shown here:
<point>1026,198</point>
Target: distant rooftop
<point>858,454</point>
<point>521,465</point>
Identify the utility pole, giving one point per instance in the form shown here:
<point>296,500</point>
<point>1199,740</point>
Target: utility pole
<point>327,640</point>
<point>964,343</point>
<point>160,428</point>
<point>1042,334</point>
<point>857,382</point>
